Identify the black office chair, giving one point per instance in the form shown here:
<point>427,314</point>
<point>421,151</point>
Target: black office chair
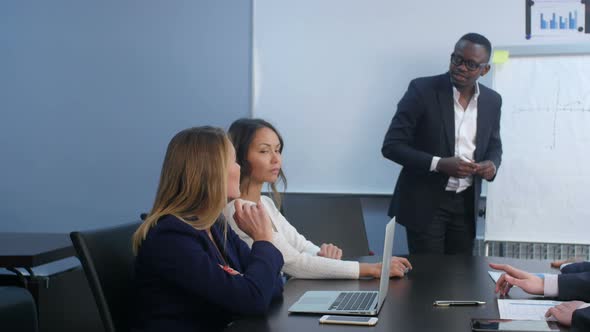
<point>18,311</point>
<point>107,258</point>
<point>322,218</point>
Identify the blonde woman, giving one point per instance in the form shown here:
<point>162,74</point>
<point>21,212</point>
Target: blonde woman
<point>192,273</point>
<point>259,147</point>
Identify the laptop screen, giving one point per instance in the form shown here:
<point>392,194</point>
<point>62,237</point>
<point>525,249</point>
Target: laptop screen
<point>387,248</point>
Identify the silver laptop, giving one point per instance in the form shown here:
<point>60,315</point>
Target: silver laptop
<point>351,302</point>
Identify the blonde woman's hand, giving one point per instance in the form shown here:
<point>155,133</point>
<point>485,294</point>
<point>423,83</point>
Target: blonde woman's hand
<point>253,220</point>
<point>397,268</point>
<point>330,251</point>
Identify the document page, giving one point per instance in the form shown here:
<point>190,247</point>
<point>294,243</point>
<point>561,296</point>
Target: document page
<point>495,275</point>
<point>525,309</point>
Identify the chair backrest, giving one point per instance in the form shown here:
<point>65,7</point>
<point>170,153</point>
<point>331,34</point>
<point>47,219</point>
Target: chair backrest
<point>108,261</point>
<point>327,218</point>
<point>18,311</point>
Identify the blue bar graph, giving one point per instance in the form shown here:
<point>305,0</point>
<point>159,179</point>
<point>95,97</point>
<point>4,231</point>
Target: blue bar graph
<point>573,20</point>
<point>561,23</point>
<point>565,23</point>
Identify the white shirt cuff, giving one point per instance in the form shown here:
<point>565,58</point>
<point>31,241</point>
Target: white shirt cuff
<point>584,305</point>
<point>550,287</point>
<point>434,163</point>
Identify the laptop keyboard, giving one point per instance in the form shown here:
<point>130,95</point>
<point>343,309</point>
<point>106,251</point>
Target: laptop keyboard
<point>354,301</point>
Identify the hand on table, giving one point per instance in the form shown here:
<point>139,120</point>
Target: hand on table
<point>397,268</point>
<point>564,312</point>
<point>529,282</point>
<point>330,251</point>
<point>559,263</point>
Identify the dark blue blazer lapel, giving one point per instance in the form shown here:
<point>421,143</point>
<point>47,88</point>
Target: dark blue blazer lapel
<point>447,110</point>
<point>483,127</point>
<point>229,254</point>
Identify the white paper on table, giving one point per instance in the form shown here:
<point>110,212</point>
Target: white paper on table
<point>495,275</point>
<point>525,309</point>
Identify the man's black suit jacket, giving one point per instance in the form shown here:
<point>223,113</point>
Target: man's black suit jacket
<point>581,320</point>
<point>576,267</point>
<point>574,284</point>
<point>423,127</point>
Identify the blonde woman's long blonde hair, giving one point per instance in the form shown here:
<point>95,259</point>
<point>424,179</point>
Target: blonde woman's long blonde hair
<point>193,182</point>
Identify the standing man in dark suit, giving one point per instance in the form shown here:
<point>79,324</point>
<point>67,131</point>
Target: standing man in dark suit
<point>446,135</point>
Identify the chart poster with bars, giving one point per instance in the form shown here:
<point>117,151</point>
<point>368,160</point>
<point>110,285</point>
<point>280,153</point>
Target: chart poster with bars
<point>561,19</point>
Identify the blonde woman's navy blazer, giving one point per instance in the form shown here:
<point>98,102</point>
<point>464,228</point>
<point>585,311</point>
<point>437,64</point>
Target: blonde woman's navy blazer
<point>181,286</point>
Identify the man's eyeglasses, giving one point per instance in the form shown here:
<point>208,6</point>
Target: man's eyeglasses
<point>457,60</point>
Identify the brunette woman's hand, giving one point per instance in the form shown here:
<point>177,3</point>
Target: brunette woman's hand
<point>329,250</point>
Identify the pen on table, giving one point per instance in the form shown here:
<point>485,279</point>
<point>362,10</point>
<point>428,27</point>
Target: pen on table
<point>456,303</point>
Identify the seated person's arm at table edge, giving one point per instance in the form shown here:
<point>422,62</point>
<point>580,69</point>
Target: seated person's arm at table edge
<point>570,286</point>
<point>186,265</point>
<point>574,286</point>
<point>576,267</point>
<point>581,320</point>
<point>397,145</point>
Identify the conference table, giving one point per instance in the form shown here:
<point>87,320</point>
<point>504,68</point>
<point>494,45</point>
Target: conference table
<point>33,249</point>
<point>409,303</point>
<point>50,285</point>
<point>28,250</point>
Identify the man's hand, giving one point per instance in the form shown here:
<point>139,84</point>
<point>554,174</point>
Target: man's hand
<point>564,312</point>
<point>456,167</point>
<point>486,169</point>
<point>559,263</point>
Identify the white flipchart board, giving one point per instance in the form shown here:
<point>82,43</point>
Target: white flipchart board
<point>542,190</point>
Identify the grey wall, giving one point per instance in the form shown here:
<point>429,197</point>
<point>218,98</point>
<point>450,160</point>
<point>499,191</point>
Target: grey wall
<point>92,91</point>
